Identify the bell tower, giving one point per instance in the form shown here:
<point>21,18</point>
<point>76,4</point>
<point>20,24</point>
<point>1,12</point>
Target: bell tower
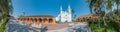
<point>61,9</point>
<point>69,9</point>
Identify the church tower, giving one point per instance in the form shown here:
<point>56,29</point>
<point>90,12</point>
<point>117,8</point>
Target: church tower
<point>60,9</point>
<point>69,14</point>
<point>69,9</point>
<point>64,16</point>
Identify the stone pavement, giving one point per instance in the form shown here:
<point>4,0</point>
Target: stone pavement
<point>16,26</point>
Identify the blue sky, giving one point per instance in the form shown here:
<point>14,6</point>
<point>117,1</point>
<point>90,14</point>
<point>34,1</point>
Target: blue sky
<point>48,7</point>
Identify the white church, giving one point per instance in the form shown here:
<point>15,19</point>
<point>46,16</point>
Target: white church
<point>64,16</point>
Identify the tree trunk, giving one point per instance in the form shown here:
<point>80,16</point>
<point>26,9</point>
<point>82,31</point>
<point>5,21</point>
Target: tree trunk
<point>99,21</point>
<point>117,7</point>
<point>104,21</point>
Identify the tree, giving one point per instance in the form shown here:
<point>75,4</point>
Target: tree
<point>117,2</point>
<point>99,7</point>
<point>73,16</point>
<point>5,11</point>
<point>91,4</point>
<point>5,8</point>
<point>115,20</point>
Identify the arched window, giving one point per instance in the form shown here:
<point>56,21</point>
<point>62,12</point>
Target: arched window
<point>50,20</point>
<point>20,19</point>
<point>27,19</point>
<point>40,20</point>
<point>81,21</point>
<point>31,19</point>
<point>23,19</point>
<point>83,18</point>
<point>89,17</point>
<point>35,19</point>
<point>45,19</point>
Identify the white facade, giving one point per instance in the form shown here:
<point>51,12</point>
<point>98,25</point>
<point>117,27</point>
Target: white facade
<point>64,16</point>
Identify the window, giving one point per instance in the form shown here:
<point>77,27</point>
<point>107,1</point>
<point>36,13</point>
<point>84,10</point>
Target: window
<point>28,19</point>
<point>40,20</point>
<point>89,17</point>
<point>20,19</point>
<point>35,20</point>
<point>81,21</point>
<point>50,20</point>
<point>23,19</point>
<point>31,19</point>
<point>45,19</point>
<point>83,18</point>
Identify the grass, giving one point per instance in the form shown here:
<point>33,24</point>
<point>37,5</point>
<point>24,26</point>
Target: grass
<point>3,25</point>
<point>95,28</point>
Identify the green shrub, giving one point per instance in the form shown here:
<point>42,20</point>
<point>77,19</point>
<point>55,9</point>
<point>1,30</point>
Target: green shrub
<point>3,25</point>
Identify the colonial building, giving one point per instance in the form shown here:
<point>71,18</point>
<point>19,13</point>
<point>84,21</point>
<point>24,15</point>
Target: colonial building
<point>64,16</point>
<point>44,19</point>
<point>86,18</point>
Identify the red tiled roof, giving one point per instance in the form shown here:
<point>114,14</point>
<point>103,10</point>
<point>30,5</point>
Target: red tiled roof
<point>38,16</point>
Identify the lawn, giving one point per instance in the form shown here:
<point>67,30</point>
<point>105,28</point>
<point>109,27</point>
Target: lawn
<point>102,28</point>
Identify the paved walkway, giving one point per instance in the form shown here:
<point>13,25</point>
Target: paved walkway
<point>15,26</point>
<point>74,27</point>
